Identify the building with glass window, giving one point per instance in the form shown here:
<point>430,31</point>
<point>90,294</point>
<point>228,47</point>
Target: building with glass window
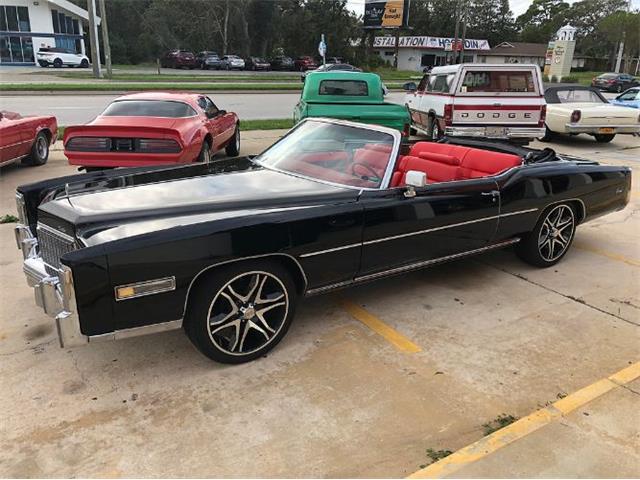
<point>28,25</point>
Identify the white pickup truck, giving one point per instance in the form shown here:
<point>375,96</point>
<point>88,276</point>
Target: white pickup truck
<point>497,101</point>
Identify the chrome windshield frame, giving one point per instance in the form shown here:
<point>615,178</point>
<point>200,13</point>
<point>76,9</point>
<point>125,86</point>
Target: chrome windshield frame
<point>393,156</point>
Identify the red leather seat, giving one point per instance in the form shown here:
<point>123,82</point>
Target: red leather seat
<point>373,155</point>
<point>479,163</point>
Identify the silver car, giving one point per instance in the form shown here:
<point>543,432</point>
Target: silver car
<point>232,62</point>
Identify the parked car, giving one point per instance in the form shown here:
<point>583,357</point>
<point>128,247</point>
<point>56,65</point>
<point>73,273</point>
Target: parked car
<point>350,96</point>
<point>630,98</point>
<point>614,82</point>
<point>333,60</point>
<point>26,139</point>
<point>178,59</point>
<point>226,252</point>
<point>58,57</point>
<point>282,63</point>
<point>232,62</point>
<point>208,60</point>
<point>575,110</point>
<point>332,67</point>
<point>257,63</point>
<point>497,101</point>
<point>305,63</point>
<point>153,128</point>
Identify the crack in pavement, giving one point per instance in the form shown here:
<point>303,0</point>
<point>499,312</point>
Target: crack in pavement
<point>569,297</point>
<point>627,387</point>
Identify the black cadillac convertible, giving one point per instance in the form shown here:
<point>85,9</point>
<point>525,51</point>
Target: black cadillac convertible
<point>226,250</point>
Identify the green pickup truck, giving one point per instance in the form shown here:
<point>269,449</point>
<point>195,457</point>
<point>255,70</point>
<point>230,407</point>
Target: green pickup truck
<point>351,96</point>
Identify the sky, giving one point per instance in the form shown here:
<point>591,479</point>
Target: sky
<point>518,7</point>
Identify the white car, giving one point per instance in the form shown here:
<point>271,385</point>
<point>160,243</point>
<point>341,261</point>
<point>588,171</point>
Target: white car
<point>58,57</point>
<point>231,62</point>
<point>575,110</point>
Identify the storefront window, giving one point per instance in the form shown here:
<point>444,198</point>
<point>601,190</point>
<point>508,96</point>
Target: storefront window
<point>23,19</point>
<point>5,51</point>
<point>16,49</point>
<point>12,18</point>
<point>3,19</point>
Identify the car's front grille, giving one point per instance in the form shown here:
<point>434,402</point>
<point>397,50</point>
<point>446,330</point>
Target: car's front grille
<point>53,244</point>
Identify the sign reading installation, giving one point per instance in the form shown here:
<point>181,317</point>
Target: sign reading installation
<point>439,43</point>
<point>386,13</point>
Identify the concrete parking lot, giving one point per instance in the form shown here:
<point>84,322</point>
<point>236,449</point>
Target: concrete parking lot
<point>369,382</point>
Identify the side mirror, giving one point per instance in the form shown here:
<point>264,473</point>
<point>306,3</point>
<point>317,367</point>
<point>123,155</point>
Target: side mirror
<point>413,180</point>
<point>410,86</point>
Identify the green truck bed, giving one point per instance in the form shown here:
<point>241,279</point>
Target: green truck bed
<point>351,96</point>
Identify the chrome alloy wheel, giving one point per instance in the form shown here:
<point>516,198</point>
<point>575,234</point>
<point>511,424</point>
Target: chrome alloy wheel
<point>247,313</point>
<point>42,147</point>
<point>556,233</point>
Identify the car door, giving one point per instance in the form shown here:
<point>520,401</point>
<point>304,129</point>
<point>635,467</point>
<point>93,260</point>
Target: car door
<point>412,100</point>
<point>221,123</point>
<point>16,137</point>
<point>440,221</point>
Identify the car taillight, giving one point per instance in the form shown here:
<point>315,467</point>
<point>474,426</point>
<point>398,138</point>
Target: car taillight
<point>610,81</point>
<point>543,116</point>
<point>157,145</point>
<point>89,144</point>
<point>448,114</point>
<point>575,116</point>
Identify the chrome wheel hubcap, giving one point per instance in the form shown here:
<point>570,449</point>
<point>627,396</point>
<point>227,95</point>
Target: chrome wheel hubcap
<point>556,233</point>
<point>247,313</point>
<point>41,147</point>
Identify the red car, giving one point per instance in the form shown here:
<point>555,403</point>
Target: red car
<point>305,63</point>
<point>178,59</point>
<point>153,128</point>
<point>26,138</point>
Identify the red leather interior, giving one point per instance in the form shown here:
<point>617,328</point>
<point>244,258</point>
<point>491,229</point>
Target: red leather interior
<point>444,163</point>
<point>317,157</point>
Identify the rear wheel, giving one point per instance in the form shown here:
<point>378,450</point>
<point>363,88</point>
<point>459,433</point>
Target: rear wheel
<point>57,63</point>
<point>205,153</point>
<point>548,135</point>
<point>242,311</point>
<point>619,89</point>
<point>435,133</point>
<point>39,151</point>
<point>604,138</point>
<point>551,238</point>
<point>233,148</point>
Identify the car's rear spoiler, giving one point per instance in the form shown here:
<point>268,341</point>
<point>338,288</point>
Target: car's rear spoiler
<point>119,131</point>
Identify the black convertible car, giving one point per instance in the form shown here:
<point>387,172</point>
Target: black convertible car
<point>226,250</point>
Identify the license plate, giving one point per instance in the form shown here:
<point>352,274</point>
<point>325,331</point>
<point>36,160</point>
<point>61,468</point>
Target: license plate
<point>494,132</point>
<point>606,130</point>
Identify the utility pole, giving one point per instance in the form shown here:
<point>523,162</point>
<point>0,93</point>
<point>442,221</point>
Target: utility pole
<point>621,47</point>
<point>93,38</point>
<point>455,36</point>
<point>105,38</point>
<point>464,33</point>
<point>396,53</point>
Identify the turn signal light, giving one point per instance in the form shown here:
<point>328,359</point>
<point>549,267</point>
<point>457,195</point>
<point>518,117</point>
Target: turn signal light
<point>448,114</point>
<point>576,115</point>
<point>141,289</point>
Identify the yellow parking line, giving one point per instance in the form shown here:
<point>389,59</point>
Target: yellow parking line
<point>509,434</point>
<point>374,323</point>
<point>613,256</point>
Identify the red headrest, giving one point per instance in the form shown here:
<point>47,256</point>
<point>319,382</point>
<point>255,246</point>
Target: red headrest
<point>490,162</point>
<point>440,158</point>
<point>380,147</point>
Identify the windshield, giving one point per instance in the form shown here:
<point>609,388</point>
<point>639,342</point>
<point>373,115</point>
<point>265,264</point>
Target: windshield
<point>579,96</point>
<point>334,153</point>
<point>148,108</point>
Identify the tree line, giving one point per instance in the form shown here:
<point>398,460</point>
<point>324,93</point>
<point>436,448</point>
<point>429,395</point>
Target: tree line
<point>142,30</point>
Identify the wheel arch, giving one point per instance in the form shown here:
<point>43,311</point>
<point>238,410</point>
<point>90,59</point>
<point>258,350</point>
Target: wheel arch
<point>577,204</point>
<point>289,262</point>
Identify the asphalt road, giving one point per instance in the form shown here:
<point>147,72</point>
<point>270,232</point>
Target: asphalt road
<point>78,109</point>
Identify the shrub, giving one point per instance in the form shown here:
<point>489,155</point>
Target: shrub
<point>570,79</point>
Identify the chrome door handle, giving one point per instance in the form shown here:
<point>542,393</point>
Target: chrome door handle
<point>493,193</point>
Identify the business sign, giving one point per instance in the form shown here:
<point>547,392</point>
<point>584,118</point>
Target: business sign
<point>386,13</point>
<point>439,43</point>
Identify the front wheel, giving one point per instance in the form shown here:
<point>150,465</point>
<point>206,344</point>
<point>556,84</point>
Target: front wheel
<point>39,151</point>
<point>57,63</point>
<point>604,138</point>
<point>240,312</point>
<point>84,63</point>
<point>233,148</point>
<point>550,239</point>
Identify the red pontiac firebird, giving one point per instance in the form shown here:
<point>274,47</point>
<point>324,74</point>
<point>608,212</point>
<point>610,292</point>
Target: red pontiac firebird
<point>154,128</point>
<point>26,138</point>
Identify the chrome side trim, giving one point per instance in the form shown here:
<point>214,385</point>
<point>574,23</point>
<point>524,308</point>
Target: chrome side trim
<point>453,225</point>
<point>136,331</point>
<point>267,255</point>
<point>329,250</point>
<point>406,268</point>
<point>169,288</point>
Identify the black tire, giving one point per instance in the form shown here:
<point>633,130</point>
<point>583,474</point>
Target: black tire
<point>551,238</point>
<point>434,131</point>
<point>223,319</point>
<point>57,63</point>
<point>39,151</point>
<point>233,147</point>
<point>604,138</point>
<point>205,155</point>
<point>619,89</point>
<point>84,63</point>
<point>548,135</point>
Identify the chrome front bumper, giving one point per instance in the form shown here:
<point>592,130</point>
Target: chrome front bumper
<point>491,132</point>
<point>55,294</point>
<point>593,129</point>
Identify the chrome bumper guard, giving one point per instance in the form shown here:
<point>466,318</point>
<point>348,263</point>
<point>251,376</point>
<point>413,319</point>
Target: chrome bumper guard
<point>572,128</point>
<point>55,294</point>
<point>485,132</point>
